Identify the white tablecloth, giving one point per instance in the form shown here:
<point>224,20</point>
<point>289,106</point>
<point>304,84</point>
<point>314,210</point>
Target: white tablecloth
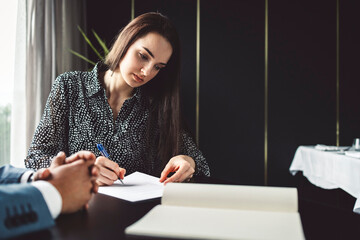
<point>329,170</point>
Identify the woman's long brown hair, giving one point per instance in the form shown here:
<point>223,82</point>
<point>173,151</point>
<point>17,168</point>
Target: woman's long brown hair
<point>163,92</point>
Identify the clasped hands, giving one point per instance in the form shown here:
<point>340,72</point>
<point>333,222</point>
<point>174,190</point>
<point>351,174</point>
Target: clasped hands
<point>183,167</point>
<point>79,175</point>
<point>74,177</point>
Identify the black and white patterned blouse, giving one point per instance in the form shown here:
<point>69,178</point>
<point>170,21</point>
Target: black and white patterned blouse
<point>77,116</point>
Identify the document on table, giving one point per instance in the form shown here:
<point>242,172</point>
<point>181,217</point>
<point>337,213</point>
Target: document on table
<point>137,187</point>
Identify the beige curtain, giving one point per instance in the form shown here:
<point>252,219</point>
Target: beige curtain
<point>46,30</point>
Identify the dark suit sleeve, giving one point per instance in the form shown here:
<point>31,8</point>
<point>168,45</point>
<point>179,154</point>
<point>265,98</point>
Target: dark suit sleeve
<point>22,210</point>
<point>10,174</point>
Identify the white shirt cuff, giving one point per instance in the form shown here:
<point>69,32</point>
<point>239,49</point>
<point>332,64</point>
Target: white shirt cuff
<point>25,177</point>
<point>51,195</point>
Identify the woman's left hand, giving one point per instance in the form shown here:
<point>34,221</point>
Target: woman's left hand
<point>182,165</point>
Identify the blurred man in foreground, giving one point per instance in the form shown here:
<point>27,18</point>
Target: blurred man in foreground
<point>30,201</point>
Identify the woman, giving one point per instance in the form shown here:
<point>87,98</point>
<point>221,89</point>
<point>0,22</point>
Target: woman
<point>129,103</point>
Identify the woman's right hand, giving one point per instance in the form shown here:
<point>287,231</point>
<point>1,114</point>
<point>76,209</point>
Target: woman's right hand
<point>109,171</point>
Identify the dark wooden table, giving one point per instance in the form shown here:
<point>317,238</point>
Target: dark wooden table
<point>106,218</point>
<point>326,214</point>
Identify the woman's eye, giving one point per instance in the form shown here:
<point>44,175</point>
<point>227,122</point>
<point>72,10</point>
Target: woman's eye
<point>157,68</point>
<point>142,56</point>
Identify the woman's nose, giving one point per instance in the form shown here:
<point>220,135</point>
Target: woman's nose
<point>145,70</point>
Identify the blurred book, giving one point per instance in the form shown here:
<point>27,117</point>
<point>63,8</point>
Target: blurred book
<point>209,211</point>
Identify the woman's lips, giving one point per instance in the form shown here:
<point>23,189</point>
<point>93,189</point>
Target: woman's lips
<point>138,79</point>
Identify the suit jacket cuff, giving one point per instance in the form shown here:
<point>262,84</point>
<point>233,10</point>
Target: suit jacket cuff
<point>25,177</point>
<point>51,195</point>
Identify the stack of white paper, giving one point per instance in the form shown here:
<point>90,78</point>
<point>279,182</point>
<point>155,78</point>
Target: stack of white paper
<point>137,187</point>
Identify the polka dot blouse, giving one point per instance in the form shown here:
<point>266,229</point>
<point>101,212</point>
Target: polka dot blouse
<point>77,116</point>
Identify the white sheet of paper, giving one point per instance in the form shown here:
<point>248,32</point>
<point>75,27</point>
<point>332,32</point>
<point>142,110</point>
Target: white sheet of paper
<point>137,187</point>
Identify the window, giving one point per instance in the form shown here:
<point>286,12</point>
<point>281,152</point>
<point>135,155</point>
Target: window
<point>8,13</point>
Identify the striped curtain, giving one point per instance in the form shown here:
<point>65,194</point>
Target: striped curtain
<point>46,30</point>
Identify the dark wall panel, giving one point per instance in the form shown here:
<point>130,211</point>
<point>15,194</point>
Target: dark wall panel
<point>302,80</point>
<point>183,14</point>
<point>302,76</point>
<point>107,18</point>
<point>232,89</point>
<point>349,71</point>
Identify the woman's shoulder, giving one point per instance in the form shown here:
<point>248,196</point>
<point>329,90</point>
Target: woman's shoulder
<point>70,83</point>
<point>77,79</point>
<point>73,76</point>
<point>82,76</point>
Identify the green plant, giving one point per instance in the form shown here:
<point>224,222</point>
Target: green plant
<point>101,42</point>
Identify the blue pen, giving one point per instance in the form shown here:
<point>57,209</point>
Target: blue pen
<point>105,154</point>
